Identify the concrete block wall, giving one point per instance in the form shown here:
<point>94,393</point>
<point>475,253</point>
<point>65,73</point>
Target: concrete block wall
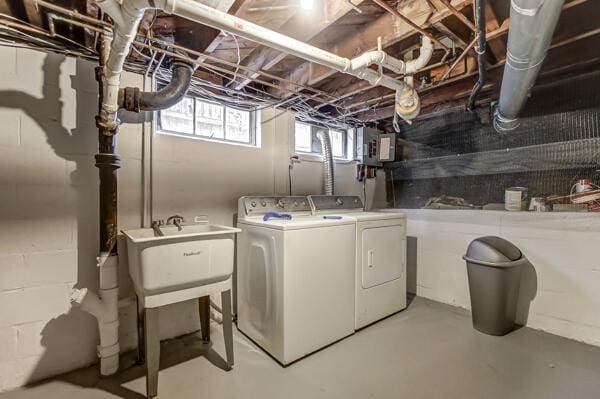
<point>49,212</point>
<point>562,247</point>
<point>44,240</point>
<point>49,206</point>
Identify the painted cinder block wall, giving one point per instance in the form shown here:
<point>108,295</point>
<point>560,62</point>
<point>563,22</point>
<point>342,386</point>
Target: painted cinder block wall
<point>49,206</point>
<point>561,288</point>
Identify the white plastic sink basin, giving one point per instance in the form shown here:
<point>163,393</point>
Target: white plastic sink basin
<point>197,255</point>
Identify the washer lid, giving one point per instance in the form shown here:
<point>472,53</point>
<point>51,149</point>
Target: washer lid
<point>300,222</point>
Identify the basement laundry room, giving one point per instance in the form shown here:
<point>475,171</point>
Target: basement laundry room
<point>332,199</point>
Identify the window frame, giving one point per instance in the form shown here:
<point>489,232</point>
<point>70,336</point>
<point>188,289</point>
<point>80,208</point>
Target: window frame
<point>252,121</point>
<point>348,152</point>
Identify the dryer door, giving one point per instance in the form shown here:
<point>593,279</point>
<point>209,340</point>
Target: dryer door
<point>383,254</point>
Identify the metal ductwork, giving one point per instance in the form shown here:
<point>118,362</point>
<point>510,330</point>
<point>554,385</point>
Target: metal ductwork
<point>532,23</point>
<point>132,99</point>
<point>328,182</point>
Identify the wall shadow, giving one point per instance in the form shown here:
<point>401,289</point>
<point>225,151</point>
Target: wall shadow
<point>62,336</point>
<point>527,292</point>
<point>411,265</point>
<point>69,340</point>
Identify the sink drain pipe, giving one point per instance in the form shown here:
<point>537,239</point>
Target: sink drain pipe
<point>104,306</point>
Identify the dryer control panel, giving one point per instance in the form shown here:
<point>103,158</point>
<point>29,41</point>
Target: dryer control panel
<point>336,202</point>
<point>262,205</point>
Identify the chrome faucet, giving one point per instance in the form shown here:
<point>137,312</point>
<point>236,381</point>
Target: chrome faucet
<point>176,220</point>
<point>156,227</point>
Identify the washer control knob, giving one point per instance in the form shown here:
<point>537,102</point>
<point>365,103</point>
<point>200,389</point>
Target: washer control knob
<point>263,203</point>
<point>339,201</point>
<point>253,203</point>
<point>281,203</point>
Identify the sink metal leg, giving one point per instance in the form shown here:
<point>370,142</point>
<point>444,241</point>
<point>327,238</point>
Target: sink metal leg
<point>227,326</point>
<point>152,345</point>
<point>204,308</point>
<point>141,354</point>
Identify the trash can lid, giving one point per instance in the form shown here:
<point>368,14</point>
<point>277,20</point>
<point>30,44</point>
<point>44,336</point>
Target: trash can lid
<point>492,249</point>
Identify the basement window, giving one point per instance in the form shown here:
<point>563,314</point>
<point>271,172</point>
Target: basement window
<point>307,142</point>
<point>203,119</point>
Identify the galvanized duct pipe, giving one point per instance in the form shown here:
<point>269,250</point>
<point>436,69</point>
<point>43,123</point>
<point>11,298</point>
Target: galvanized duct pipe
<point>532,23</point>
<point>480,49</point>
<point>328,173</point>
<point>132,99</point>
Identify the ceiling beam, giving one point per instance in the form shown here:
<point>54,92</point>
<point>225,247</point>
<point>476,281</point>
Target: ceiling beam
<point>391,29</point>
<point>302,26</point>
<point>497,45</point>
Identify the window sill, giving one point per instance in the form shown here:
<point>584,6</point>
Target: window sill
<point>200,138</point>
<point>306,157</point>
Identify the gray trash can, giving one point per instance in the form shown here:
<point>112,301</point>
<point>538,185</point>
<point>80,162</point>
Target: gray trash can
<point>494,270</point>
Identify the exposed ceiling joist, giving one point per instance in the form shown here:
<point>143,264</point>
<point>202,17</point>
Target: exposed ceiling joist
<point>302,27</point>
<point>388,27</point>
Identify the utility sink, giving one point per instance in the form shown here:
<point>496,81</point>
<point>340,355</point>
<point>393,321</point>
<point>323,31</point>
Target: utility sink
<point>196,255</point>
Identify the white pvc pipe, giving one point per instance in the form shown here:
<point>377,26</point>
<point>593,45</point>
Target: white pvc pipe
<point>129,13</point>
<point>105,308</point>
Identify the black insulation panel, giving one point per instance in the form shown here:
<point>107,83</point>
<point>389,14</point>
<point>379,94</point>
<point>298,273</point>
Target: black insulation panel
<point>460,154</point>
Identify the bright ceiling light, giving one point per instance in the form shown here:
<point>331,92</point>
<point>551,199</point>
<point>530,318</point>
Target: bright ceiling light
<point>306,4</point>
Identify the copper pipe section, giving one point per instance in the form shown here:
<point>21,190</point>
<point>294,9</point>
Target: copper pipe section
<point>72,13</point>
<point>463,18</point>
<point>416,27</point>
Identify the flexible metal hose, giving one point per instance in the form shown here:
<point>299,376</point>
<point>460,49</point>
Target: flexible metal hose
<point>328,181</point>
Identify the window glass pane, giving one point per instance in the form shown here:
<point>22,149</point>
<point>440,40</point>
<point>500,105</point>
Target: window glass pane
<point>209,120</point>
<point>303,137</point>
<point>238,125</point>
<point>337,143</point>
<point>179,118</point>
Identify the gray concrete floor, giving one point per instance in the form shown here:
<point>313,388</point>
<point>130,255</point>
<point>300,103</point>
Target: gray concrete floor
<point>428,351</point>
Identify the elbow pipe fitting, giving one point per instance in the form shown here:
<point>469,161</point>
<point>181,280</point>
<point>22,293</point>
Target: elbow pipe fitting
<point>377,57</point>
<point>426,51</point>
<point>132,99</point>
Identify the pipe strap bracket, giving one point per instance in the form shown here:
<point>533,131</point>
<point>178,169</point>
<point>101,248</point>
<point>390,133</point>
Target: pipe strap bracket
<point>528,12</point>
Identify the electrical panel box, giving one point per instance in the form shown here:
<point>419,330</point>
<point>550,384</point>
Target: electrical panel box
<point>366,145</point>
<point>373,146</point>
<point>386,147</point>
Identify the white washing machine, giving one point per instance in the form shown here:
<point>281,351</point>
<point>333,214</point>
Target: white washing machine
<point>295,278</point>
<point>380,288</point>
